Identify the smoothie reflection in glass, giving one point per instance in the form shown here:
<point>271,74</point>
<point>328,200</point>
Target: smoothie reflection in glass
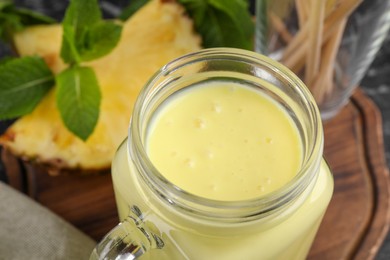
<point>223,161</point>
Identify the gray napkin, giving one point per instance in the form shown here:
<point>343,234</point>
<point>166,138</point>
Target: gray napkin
<point>30,231</point>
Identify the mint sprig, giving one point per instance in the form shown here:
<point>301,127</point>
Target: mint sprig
<point>23,83</point>
<point>86,36</point>
<point>222,23</point>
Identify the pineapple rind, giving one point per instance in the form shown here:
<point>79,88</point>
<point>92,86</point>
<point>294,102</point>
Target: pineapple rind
<point>156,34</point>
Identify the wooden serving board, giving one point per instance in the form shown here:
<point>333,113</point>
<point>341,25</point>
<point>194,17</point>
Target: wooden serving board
<point>358,216</point>
<point>354,225</point>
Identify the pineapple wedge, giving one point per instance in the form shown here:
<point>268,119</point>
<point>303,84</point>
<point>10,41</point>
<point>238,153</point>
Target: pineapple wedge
<point>156,34</point>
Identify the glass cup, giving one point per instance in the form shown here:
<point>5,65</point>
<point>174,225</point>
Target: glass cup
<point>162,221</point>
<point>329,44</point>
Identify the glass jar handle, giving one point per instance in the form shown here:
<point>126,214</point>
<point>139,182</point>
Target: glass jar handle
<point>130,239</point>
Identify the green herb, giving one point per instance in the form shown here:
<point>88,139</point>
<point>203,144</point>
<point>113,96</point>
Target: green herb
<point>99,40</point>
<point>132,8</point>
<point>78,99</point>
<point>23,83</point>
<point>14,19</point>
<point>222,23</point>
<point>86,35</point>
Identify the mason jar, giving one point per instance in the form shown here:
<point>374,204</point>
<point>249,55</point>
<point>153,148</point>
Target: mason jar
<point>159,220</point>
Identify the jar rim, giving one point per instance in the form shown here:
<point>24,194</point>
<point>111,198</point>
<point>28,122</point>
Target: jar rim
<point>228,210</point>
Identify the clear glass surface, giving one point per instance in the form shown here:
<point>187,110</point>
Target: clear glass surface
<point>363,30</point>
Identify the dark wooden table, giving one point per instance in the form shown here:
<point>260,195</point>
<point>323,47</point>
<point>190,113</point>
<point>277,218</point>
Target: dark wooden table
<point>376,84</point>
<point>355,223</point>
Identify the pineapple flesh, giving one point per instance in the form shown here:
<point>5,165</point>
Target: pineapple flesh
<point>156,34</point>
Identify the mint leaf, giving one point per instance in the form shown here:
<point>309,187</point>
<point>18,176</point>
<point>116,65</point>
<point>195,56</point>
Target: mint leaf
<point>239,15</point>
<point>24,82</point>
<point>196,9</point>
<point>99,40</point>
<point>5,4</point>
<point>82,13</point>
<point>222,23</point>
<point>131,9</point>
<point>80,16</point>
<point>29,17</point>
<point>14,19</point>
<point>69,53</point>
<point>86,36</point>
<point>78,100</point>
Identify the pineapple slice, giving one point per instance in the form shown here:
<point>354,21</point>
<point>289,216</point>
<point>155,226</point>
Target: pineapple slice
<point>156,34</point>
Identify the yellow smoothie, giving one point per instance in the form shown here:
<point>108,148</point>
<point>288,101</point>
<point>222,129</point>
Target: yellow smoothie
<point>290,238</point>
<point>224,141</point>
